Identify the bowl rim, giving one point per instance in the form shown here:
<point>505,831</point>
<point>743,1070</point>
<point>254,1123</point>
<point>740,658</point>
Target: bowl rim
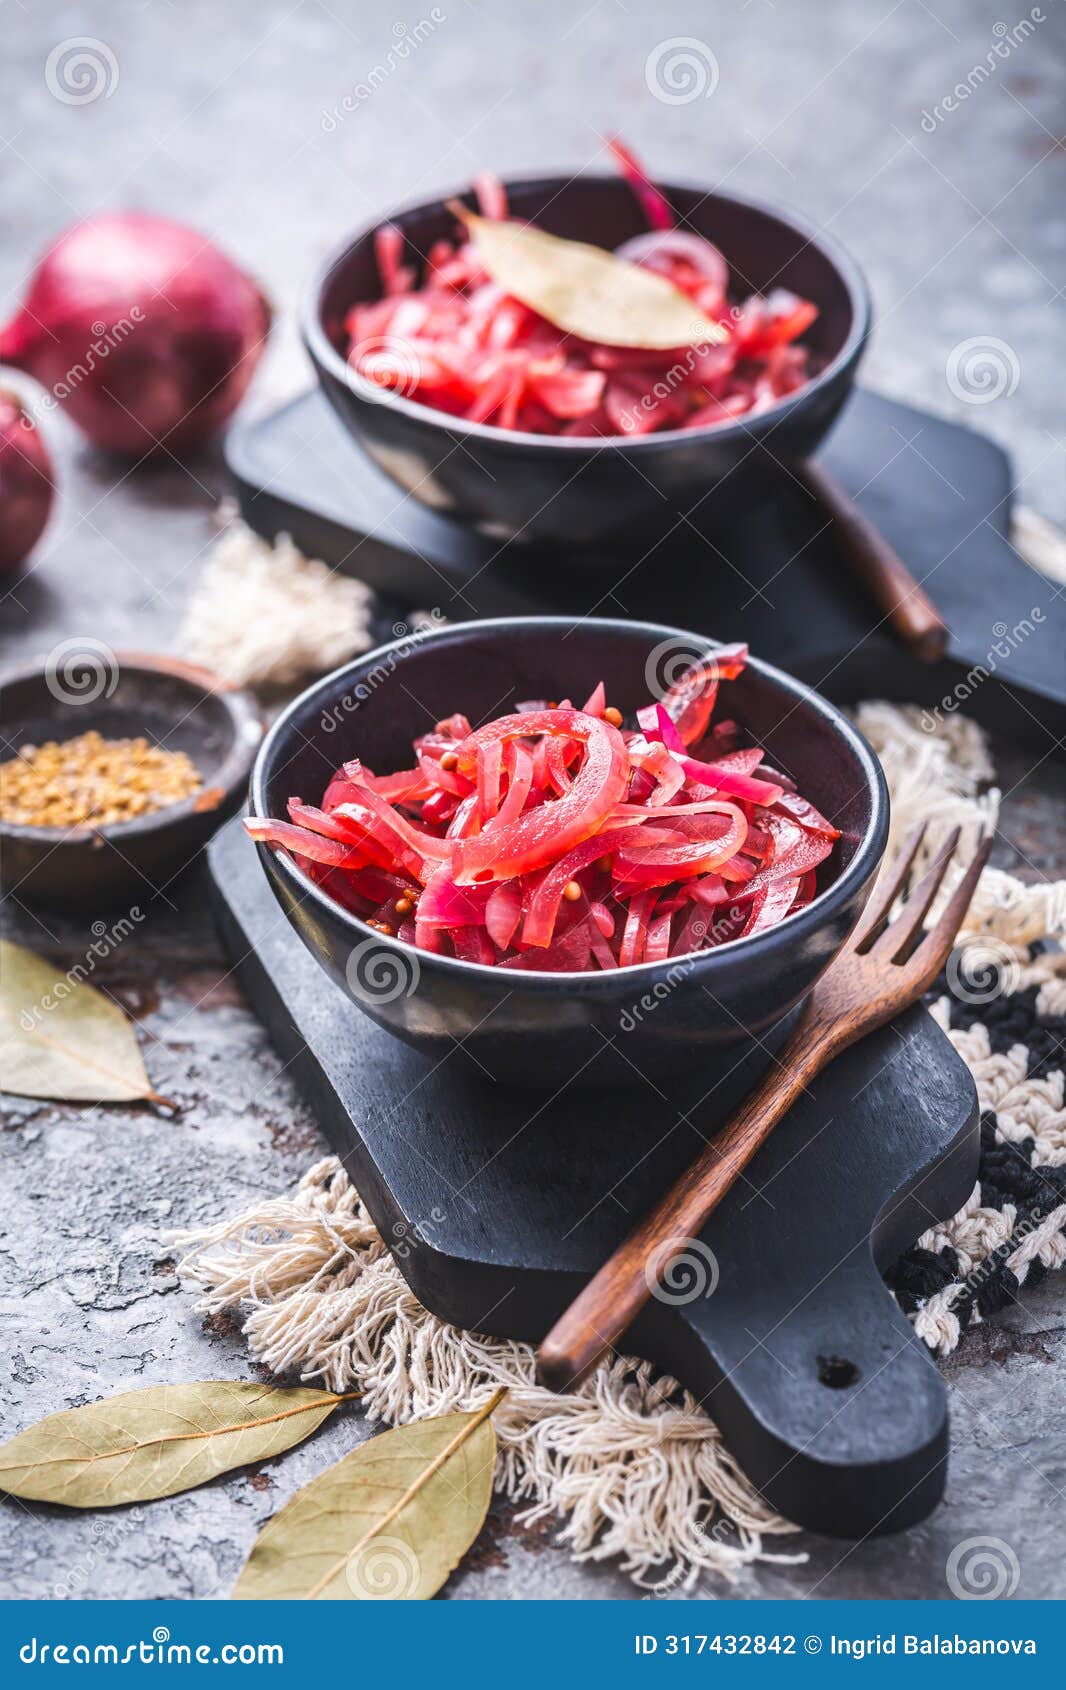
<point>246,733</point>
<point>325,355</point>
<point>868,851</point>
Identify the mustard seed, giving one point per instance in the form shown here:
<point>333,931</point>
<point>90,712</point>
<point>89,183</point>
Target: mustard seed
<point>89,781</point>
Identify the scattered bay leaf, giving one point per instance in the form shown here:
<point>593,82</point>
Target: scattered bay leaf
<point>586,291</point>
<point>61,1038</point>
<point>155,1442</point>
<point>388,1522</point>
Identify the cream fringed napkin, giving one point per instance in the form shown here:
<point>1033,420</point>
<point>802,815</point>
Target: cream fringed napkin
<point>263,615</point>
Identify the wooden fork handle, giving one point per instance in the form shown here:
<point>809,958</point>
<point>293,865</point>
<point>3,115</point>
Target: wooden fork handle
<point>907,606</point>
<point>613,1298</point>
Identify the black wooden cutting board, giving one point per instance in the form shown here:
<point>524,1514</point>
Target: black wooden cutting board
<point>498,1203</point>
<point>939,492</point>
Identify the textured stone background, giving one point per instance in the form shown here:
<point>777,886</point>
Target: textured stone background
<point>217,117</point>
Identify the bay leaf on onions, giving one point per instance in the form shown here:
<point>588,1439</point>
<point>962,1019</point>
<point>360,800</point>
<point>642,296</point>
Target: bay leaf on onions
<point>388,1522</point>
<point>586,291</point>
<point>61,1038</point>
<point>156,1442</point>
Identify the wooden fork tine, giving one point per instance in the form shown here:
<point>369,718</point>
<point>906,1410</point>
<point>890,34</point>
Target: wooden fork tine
<point>936,946</point>
<point>888,889</point>
<point>902,935</point>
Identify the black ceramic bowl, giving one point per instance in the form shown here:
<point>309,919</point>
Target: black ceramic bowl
<point>578,492</point>
<point>122,695</point>
<point>540,1028</point>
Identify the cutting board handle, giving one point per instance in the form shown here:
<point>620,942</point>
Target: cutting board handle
<point>827,1397</point>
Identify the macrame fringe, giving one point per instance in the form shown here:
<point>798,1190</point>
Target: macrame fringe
<point>263,615</point>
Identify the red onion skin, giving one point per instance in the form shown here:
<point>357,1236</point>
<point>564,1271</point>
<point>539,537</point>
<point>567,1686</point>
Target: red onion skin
<point>26,483</point>
<point>144,332</point>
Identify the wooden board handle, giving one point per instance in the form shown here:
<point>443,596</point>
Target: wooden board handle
<point>663,1240</point>
<point>879,566</point>
<point>824,1391</point>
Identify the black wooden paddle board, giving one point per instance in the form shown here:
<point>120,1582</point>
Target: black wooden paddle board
<point>498,1203</point>
<point>941,493</point>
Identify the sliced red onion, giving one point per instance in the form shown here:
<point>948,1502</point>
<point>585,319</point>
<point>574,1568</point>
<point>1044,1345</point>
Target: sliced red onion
<point>656,249</point>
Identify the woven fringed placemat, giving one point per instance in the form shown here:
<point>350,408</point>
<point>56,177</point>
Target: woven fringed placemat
<point>1002,1003</point>
<point>630,1465</point>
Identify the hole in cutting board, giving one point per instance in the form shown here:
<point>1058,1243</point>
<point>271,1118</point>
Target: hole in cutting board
<point>836,1372</point>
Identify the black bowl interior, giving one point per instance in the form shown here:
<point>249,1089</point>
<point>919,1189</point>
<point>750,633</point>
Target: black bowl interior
<point>485,669</point>
<point>764,248</point>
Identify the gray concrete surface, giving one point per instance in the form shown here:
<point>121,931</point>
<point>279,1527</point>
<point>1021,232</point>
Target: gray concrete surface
<point>217,117</point>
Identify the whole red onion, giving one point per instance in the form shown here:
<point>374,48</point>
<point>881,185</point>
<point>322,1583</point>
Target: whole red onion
<point>142,330</point>
<point>25,482</point>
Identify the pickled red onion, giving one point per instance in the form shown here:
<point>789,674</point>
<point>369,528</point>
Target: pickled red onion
<point>559,841</point>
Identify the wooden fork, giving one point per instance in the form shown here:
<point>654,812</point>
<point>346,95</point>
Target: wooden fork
<point>883,968</point>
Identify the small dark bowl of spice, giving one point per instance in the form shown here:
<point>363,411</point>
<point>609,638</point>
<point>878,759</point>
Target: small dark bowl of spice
<point>115,768</point>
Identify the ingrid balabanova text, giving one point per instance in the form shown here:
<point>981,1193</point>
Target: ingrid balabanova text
<point>907,1644</point>
<point>858,1648</point>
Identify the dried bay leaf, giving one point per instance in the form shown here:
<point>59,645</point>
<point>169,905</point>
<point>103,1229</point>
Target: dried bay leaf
<point>388,1522</point>
<point>156,1442</point>
<point>61,1038</point>
<point>586,291</point>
